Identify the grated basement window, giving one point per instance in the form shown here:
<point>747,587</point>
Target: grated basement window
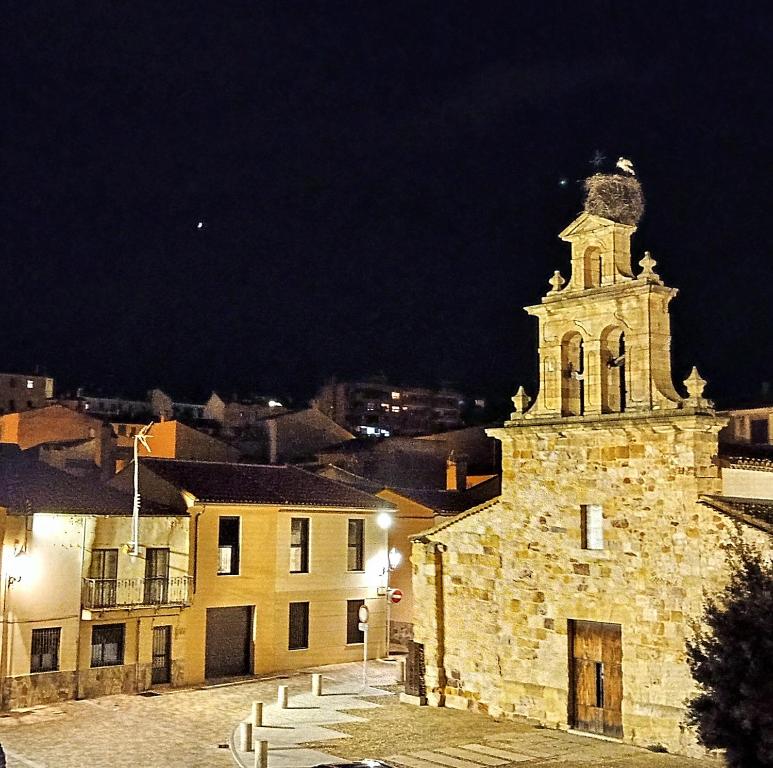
<point>44,655</point>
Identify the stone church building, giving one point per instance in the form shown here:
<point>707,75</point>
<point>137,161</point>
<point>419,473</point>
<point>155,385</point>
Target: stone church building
<point>568,599</point>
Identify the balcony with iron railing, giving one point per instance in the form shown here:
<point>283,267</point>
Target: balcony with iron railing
<point>136,593</point>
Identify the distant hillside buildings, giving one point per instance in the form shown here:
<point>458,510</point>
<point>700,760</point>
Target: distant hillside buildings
<point>380,409</point>
<point>23,391</point>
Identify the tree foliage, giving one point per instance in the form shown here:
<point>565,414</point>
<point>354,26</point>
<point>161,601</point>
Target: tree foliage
<point>731,659</point>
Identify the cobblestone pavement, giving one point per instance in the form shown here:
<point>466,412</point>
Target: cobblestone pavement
<point>193,727</point>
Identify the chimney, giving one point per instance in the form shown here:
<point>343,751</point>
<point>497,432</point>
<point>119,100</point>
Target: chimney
<point>456,472</point>
<point>105,452</point>
<point>272,440</point>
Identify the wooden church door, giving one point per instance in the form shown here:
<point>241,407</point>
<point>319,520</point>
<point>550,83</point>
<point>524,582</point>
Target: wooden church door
<point>595,677</point>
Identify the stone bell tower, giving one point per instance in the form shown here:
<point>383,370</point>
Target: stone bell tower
<point>580,583</point>
<point>604,336</point>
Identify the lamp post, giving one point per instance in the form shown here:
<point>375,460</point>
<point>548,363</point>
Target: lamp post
<point>394,558</point>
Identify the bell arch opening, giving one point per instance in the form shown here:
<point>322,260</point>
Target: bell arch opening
<point>573,378</point>
<point>591,267</point>
<point>613,370</point>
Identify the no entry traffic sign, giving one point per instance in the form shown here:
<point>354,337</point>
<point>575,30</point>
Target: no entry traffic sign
<point>395,595</point>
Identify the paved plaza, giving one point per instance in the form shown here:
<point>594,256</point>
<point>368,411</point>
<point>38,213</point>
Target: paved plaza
<point>197,727</point>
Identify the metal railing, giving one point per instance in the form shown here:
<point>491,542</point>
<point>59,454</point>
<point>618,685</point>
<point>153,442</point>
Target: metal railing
<point>124,593</point>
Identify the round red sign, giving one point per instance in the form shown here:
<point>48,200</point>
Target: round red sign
<point>395,595</point>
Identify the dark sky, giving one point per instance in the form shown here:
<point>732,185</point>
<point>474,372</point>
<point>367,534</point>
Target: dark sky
<point>378,182</point>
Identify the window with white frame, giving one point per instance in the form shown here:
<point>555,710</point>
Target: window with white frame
<point>299,545</point>
<point>592,520</point>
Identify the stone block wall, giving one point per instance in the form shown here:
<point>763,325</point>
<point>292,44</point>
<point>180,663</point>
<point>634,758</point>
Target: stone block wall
<point>493,609</point>
<point>40,688</point>
<point>103,681</point>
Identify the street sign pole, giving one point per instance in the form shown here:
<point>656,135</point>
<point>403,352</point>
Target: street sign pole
<point>388,622</point>
<point>363,615</point>
<point>365,658</point>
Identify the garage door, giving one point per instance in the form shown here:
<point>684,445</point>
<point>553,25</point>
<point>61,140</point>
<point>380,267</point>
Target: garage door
<point>229,634</point>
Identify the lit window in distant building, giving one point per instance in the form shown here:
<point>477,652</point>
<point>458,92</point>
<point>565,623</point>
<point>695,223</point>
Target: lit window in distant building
<point>370,407</point>
<point>395,395</point>
<point>30,383</point>
<point>395,409</point>
<point>385,406</point>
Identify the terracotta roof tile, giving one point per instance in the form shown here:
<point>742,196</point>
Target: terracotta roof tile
<point>28,485</point>
<point>259,484</point>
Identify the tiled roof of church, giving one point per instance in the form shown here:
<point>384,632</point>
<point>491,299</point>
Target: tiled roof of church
<point>457,518</point>
<point>755,512</point>
<point>747,455</point>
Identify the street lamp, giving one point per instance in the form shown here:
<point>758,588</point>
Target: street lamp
<point>394,558</point>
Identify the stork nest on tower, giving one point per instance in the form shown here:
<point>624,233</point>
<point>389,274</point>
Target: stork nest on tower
<point>614,196</point>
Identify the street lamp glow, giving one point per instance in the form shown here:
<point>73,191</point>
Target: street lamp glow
<point>384,520</point>
<point>395,558</point>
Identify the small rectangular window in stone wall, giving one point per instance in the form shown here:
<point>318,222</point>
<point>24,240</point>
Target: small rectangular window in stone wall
<point>414,670</point>
<point>592,521</point>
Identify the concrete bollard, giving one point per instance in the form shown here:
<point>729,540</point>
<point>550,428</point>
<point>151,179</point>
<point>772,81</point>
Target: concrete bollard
<point>316,684</point>
<point>245,736</point>
<point>281,696</point>
<point>261,754</point>
<point>401,670</point>
<point>257,714</point>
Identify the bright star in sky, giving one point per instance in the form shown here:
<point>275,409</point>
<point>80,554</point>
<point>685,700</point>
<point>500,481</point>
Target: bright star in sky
<point>200,225</point>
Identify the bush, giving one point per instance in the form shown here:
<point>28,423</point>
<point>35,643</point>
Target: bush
<point>731,659</point>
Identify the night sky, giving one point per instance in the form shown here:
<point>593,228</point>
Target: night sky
<point>379,186</point>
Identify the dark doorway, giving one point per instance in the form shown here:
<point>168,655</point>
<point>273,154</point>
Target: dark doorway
<point>760,432</point>
<point>228,649</point>
<point>595,677</point>
<point>162,655</point>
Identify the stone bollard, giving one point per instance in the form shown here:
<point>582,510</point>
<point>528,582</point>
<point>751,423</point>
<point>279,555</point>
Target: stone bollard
<point>281,696</point>
<point>245,736</point>
<point>316,684</point>
<point>401,670</point>
<point>261,754</point>
<point>257,714</point>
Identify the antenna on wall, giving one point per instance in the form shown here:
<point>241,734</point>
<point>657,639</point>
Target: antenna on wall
<point>140,437</point>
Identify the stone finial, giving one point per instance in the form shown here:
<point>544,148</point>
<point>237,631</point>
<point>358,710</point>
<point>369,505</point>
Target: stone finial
<point>695,385</point>
<point>521,402</point>
<point>557,282</point>
<point>647,265</point>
